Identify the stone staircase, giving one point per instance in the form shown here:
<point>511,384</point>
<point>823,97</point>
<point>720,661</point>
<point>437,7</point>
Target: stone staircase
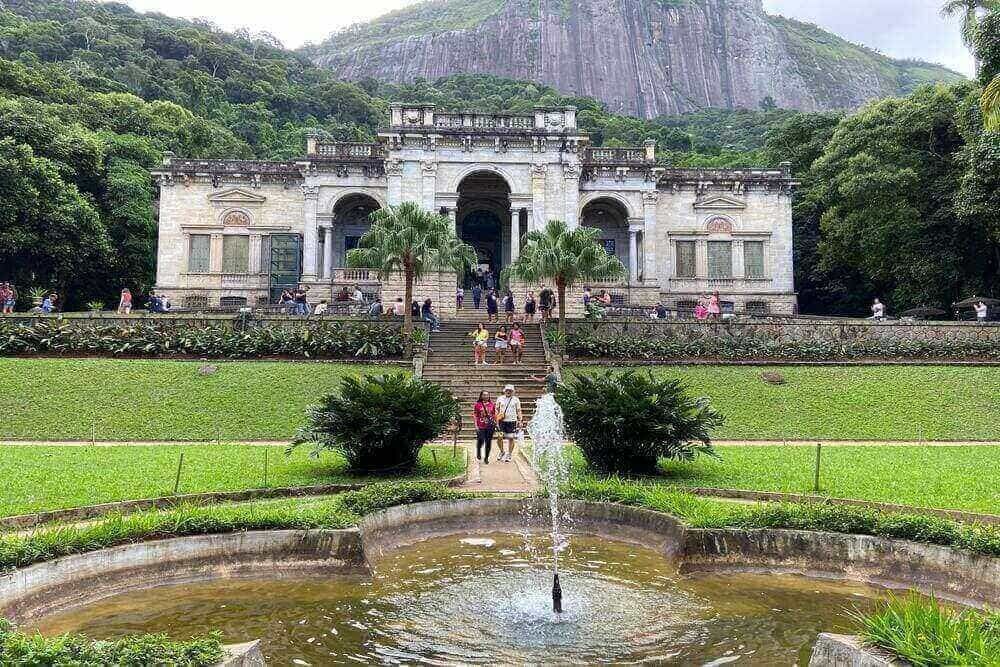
<point>450,364</point>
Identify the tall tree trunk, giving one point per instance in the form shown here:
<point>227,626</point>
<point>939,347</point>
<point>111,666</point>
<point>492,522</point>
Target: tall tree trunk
<point>561,289</point>
<point>408,300</point>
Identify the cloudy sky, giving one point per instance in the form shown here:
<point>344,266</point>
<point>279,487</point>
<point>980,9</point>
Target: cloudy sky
<point>900,28</point>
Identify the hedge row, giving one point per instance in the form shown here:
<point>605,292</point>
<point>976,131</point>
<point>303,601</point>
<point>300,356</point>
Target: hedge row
<point>633,346</point>
<point>327,340</point>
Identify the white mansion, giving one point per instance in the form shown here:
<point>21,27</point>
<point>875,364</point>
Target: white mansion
<point>235,232</point>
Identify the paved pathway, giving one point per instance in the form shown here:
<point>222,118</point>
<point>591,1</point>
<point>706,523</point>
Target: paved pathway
<point>515,477</point>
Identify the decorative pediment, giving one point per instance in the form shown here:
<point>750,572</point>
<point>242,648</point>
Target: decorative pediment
<point>720,203</point>
<point>236,196</point>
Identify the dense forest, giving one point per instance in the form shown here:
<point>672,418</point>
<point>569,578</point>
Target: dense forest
<point>899,199</point>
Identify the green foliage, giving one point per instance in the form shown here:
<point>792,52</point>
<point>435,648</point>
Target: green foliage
<point>379,422</point>
<point>925,633</point>
<point>322,340</point>
<point>48,543</point>
<point>590,344</point>
<point>563,257</point>
<point>18,648</point>
<point>626,422</point>
<point>111,473</point>
<point>409,240</point>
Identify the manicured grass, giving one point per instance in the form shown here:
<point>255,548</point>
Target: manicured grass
<point>849,402</point>
<point>52,399</point>
<point>943,477</point>
<point>42,478</point>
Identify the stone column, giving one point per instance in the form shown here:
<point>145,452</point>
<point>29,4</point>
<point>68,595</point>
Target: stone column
<point>633,256</point>
<point>649,239</point>
<point>536,220</point>
<point>254,261</point>
<point>215,254</point>
<point>571,192</point>
<point>394,179</point>
<point>515,234</point>
<point>429,180</point>
<point>328,253</point>
<point>310,233</point>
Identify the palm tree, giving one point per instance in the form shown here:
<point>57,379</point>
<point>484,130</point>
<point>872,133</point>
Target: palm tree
<point>564,256</point>
<point>969,11</point>
<point>412,241</point>
<point>991,105</point>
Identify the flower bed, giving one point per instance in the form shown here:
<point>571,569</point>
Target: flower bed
<point>326,340</point>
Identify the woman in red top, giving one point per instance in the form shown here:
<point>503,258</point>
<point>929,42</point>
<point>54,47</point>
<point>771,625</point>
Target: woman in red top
<point>485,411</point>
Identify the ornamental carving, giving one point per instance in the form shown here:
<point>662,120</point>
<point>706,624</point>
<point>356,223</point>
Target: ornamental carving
<point>310,191</point>
<point>236,219</point>
<point>571,171</point>
<point>539,171</point>
<point>719,225</point>
<point>394,167</point>
<point>554,120</point>
<point>412,117</point>
<point>429,168</point>
<point>650,197</point>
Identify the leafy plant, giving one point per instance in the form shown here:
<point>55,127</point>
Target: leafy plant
<point>564,256</point>
<point>36,294</point>
<point>379,422</point>
<point>95,306</point>
<point>18,648</point>
<point>625,422</point>
<point>925,633</point>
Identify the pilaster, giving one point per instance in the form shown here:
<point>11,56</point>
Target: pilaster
<point>310,233</point>
<point>571,192</point>
<point>650,199</point>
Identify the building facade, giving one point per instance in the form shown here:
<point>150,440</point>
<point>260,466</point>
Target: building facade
<point>235,232</point>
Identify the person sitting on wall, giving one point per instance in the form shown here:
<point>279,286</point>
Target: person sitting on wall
<point>660,312</point>
<point>375,310</point>
<point>343,295</point>
<point>157,303</point>
<point>321,308</point>
<point>427,313</point>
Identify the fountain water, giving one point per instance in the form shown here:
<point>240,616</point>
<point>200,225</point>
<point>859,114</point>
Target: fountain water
<point>546,430</point>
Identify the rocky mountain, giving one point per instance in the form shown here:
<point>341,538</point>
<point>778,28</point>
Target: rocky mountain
<point>641,57</point>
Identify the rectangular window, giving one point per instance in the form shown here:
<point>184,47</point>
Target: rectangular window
<point>720,260</point>
<point>199,253</point>
<point>753,258</point>
<point>687,266</point>
<point>235,254</point>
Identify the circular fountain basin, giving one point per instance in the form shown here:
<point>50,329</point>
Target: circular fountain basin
<point>485,598</point>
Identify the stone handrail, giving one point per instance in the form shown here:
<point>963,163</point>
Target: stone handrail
<point>349,150</point>
<point>483,121</point>
<point>630,155</point>
<point>178,165</point>
<point>355,276</point>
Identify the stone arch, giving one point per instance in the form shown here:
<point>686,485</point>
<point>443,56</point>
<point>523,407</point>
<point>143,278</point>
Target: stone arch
<point>236,217</point>
<point>718,223</point>
<point>376,197</point>
<point>471,170</point>
<point>621,200</point>
<point>350,219</point>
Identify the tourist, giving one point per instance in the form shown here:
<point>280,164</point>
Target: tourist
<point>508,307</point>
<point>427,313</point>
<point>375,309</point>
<point>484,413</point>
<point>660,312</point>
<point>509,418</point>
<point>49,303</point>
<point>397,308</point>
<point>516,343</point>
<point>500,345</point>
<point>286,302</point>
<point>492,307</point>
<point>300,297</point>
<point>604,298</point>
<point>490,281</point>
<point>551,379</point>
<point>459,296</point>
<point>982,311</point>
<point>878,310</point>
<point>714,306</point>
<point>357,300</point>
<point>530,308</point>
<point>157,303</point>
<point>321,307</point>
<point>8,297</point>
<point>480,343</point>
<point>125,302</point>
<point>545,301</point>
<point>701,311</point>
<point>415,308</point>
<point>477,295</point>
<point>586,299</point>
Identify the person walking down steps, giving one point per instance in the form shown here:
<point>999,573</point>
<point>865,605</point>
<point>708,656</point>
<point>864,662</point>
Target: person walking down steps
<point>485,417</point>
<point>509,418</point>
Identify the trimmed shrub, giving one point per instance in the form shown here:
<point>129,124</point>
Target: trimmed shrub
<point>379,422</point>
<point>18,648</point>
<point>625,422</point>
<point>327,340</point>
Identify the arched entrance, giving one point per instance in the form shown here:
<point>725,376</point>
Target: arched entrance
<point>351,219</point>
<point>483,219</point>
<point>611,218</point>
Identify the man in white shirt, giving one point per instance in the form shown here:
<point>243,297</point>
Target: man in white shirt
<point>509,418</point>
<point>982,311</point>
<point>878,311</point>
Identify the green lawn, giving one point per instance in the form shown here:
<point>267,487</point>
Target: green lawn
<point>944,477</point>
<point>849,402</point>
<point>41,478</point>
<point>53,399</point>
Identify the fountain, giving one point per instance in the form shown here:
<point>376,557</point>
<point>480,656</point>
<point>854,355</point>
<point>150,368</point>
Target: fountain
<point>546,430</point>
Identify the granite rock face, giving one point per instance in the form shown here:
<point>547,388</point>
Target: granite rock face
<point>641,57</point>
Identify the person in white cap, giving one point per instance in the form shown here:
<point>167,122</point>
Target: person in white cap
<point>509,419</point>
